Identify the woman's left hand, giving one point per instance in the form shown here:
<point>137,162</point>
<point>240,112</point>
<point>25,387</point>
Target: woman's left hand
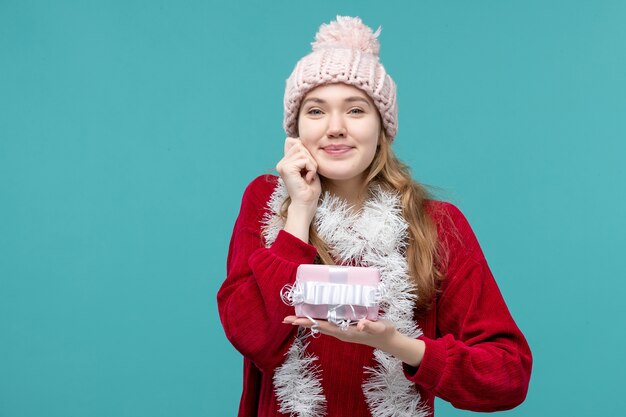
<point>381,334</point>
<point>377,334</point>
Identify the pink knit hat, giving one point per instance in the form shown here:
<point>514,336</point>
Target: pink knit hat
<point>344,51</point>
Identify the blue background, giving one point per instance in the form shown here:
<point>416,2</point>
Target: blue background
<point>129,130</point>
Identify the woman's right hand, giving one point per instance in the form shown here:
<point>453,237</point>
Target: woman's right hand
<point>298,169</point>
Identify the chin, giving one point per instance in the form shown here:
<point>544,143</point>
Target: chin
<point>339,176</point>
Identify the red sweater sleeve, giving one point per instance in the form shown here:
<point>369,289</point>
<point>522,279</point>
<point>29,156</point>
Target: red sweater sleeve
<point>479,360</point>
<point>249,302</point>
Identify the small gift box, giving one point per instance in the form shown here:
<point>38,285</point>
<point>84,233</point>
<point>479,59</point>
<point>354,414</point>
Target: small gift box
<point>339,294</point>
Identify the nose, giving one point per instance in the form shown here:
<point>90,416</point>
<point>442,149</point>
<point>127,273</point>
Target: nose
<point>336,127</point>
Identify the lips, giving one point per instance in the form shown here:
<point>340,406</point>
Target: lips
<point>337,149</point>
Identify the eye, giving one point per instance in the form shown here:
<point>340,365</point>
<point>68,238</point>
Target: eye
<point>356,110</point>
<point>314,112</point>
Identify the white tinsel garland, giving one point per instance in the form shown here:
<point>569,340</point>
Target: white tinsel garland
<point>298,388</point>
<point>376,237</point>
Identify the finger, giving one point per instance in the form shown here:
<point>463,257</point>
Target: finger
<point>309,155</point>
<point>298,321</point>
<point>311,168</point>
<point>286,166</point>
<point>290,143</point>
<point>370,327</point>
<point>298,150</point>
<point>311,172</point>
<point>300,165</point>
<point>310,176</point>
<point>311,164</point>
<point>279,167</point>
<point>297,147</point>
<point>291,156</point>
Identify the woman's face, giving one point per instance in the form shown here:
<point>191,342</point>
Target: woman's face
<point>340,126</point>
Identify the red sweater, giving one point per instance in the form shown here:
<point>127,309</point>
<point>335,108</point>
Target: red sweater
<point>476,357</point>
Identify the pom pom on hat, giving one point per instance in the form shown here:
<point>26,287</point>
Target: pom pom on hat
<point>347,32</point>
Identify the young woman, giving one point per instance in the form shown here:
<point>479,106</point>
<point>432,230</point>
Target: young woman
<point>343,198</point>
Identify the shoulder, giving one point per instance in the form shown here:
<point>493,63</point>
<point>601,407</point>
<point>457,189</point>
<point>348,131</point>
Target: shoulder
<point>456,238</point>
<point>448,218</point>
<point>256,196</point>
<point>261,188</point>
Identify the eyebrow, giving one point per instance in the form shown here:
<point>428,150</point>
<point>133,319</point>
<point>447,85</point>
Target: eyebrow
<point>350,99</point>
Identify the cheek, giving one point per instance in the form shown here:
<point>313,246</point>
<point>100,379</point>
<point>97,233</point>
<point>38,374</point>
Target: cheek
<point>310,128</point>
<point>368,129</point>
<point>371,144</point>
<point>369,138</point>
<point>310,135</point>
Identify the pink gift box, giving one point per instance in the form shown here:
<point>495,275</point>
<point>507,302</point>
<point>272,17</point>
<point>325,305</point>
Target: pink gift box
<point>334,293</point>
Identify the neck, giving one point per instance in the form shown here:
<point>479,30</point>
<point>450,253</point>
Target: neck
<point>352,190</point>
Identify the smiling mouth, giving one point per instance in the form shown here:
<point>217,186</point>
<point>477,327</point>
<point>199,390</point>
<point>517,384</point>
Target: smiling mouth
<point>337,150</point>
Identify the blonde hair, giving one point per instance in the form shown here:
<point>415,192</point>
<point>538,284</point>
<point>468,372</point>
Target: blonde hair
<point>422,247</point>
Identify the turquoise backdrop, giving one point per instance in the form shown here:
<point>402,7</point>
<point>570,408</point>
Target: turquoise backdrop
<point>129,130</point>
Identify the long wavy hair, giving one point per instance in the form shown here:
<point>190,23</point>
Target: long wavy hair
<point>422,249</point>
